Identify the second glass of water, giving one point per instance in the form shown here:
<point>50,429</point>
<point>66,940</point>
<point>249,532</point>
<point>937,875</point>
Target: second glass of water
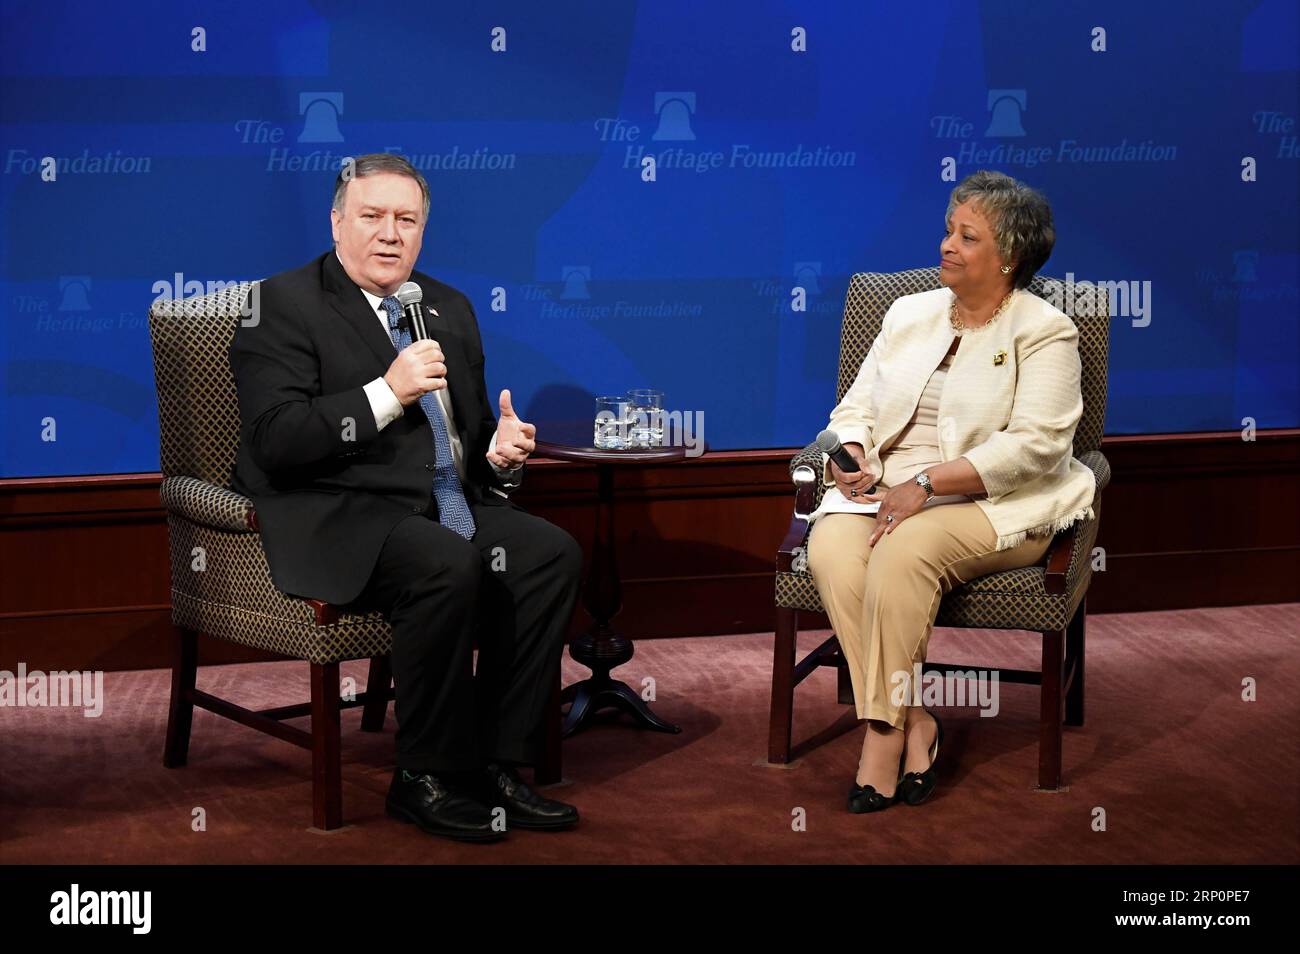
<point>647,412</point>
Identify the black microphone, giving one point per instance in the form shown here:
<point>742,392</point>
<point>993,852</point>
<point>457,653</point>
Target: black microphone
<point>410,296</point>
<point>828,442</point>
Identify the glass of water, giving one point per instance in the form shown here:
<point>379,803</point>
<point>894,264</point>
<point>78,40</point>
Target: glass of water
<point>613,413</point>
<point>647,412</point>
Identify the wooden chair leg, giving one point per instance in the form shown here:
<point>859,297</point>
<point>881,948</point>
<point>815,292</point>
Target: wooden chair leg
<point>1049,716</point>
<point>377,684</point>
<point>781,723</point>
<point>180,714</point>
<point>1074,654</point>
<point>550,769</point>
<point>844,682</point>
<point>326,751</point>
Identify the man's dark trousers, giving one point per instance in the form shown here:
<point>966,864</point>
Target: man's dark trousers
<point>510,590</point>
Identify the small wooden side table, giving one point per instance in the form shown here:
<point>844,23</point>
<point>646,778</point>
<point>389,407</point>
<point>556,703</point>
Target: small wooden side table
<point>601,649</point>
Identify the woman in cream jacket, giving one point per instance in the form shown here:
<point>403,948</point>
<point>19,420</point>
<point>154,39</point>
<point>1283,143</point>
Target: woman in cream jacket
<point>962,419</point>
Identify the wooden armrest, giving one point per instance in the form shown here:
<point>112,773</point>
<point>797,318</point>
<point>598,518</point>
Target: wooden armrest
<point>793,540</point>
<point>327,614</point>
<point>1060,552</point>
<point>805,482</point>
<point>1058,561</point>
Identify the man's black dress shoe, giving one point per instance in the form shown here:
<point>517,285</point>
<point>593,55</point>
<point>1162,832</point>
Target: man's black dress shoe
<point>429,802</point>
<point>525,808</point>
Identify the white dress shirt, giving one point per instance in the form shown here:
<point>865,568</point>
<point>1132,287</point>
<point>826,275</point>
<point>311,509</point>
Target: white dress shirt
<point>387,408</point>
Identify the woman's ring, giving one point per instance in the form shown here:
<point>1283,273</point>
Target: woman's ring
<point>853,493</point>
<point>889,519</point>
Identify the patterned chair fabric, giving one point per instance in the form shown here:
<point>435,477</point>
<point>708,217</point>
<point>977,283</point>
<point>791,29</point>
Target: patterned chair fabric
<point>1012,599</point>
<point>221,584</point>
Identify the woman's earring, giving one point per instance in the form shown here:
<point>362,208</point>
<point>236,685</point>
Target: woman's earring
<point>1006,269</point>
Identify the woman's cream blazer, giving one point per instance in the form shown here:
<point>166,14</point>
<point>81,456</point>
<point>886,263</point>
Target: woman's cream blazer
<point>1010,404</point>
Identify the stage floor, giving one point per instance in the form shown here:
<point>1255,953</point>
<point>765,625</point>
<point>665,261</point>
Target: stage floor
<point>1184,770</point>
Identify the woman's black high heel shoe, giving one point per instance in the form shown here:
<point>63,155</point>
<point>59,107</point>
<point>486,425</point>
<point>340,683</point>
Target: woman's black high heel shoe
<point>916,787</point>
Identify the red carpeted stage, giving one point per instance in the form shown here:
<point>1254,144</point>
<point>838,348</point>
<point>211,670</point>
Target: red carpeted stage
<point>1184,769</point>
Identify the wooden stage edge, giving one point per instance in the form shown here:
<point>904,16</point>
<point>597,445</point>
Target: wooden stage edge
<point>1189,520</point>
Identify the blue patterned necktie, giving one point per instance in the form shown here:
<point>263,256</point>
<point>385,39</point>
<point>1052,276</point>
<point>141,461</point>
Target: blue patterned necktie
<point>453,511</point>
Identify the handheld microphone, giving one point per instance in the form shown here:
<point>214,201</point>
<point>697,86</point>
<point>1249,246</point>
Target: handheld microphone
<point>410,296</point>
<point>828,442</point>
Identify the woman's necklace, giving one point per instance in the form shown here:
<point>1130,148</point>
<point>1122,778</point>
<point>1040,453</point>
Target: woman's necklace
<point>960,329</point>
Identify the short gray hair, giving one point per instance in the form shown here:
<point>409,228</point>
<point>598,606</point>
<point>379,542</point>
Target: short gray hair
<point>1020,216</point>
<point>374,164</point>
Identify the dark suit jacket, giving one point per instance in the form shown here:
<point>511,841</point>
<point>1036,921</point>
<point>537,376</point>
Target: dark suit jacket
<point>327,484</point>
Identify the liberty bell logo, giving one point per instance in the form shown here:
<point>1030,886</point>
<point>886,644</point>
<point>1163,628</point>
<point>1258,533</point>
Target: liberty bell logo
<point>1245,264</point>
<point>674,111</point>
<point>1005,107</point>
<point>575,282</point>
<point>806,275</point>
<point>73,291</point>
<point>320,112</point>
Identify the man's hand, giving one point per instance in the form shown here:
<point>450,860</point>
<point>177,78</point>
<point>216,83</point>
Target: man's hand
<point>847,483</point>
<point>515,438</point>
<point>418,369</point>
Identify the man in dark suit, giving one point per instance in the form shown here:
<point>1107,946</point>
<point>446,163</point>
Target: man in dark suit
<point>381,479</point>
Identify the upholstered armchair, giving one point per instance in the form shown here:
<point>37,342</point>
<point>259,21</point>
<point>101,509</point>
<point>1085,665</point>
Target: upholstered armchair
<point>1048,599</point>
<point>220,584</point>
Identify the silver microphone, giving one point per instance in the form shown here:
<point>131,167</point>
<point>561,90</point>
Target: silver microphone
<point>828,442</point>
<point>409,296</point>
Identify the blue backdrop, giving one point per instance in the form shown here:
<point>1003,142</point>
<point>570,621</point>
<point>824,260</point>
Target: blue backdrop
<point>795,144</point>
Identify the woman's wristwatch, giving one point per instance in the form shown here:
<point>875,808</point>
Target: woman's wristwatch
<point>923,480</point>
